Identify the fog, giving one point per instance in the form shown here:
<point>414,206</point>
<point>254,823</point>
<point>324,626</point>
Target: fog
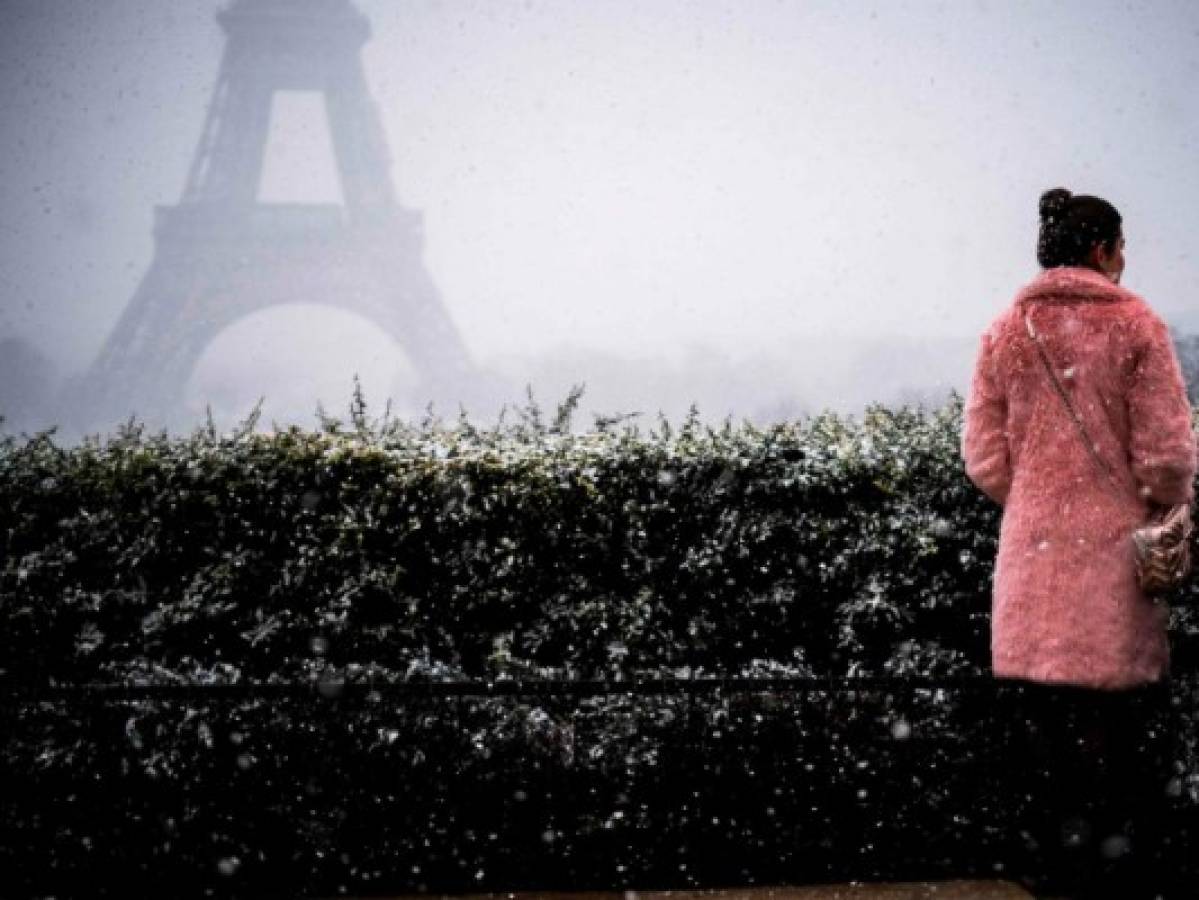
<point>765,209</point>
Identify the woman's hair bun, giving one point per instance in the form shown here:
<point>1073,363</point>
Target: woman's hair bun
<point>1071,226</point>
<point>1053,202</point>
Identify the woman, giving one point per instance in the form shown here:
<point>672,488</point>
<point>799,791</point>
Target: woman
<point>1085,650</point>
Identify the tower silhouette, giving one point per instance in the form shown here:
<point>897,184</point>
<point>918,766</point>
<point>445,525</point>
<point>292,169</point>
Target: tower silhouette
<point>221,255</point>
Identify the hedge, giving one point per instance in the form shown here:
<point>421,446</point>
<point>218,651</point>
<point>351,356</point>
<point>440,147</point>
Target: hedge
<point>367,558</point>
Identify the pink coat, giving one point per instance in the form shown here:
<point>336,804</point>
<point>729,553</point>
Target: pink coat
<point>1066,605</point>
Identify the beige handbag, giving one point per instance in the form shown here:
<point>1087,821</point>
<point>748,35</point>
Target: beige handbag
<point>1164,550</point>
<point>1163,545</point>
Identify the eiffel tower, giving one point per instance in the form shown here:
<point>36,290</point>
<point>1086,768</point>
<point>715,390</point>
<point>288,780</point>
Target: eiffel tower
<point>221,255</point>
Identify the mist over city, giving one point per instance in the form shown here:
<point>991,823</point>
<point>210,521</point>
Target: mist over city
<point>764,210</point>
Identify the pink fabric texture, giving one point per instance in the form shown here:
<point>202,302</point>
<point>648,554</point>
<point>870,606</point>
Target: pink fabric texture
<point>1066,605</point>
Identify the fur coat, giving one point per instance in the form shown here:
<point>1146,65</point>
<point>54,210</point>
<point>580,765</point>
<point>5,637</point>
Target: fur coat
<point>1066,605</point>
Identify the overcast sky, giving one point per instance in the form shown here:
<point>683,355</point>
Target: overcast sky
<point>659,179</point>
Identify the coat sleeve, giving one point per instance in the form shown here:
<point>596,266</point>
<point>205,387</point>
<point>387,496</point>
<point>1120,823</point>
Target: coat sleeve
<point>984,431</point>
<point>1161,435</point>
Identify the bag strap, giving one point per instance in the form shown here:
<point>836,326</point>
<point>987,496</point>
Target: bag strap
<point>1057,386</point>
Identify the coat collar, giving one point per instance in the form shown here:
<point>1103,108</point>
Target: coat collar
<point>1072,284</point>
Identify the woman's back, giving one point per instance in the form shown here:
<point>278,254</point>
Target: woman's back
<point>1101,340</point>
<point>1067,607</point>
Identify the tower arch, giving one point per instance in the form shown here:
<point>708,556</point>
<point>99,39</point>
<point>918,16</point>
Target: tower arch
<point>220,255</point>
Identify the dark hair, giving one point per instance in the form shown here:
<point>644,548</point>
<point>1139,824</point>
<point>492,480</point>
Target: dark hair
<point>1071,224</point>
